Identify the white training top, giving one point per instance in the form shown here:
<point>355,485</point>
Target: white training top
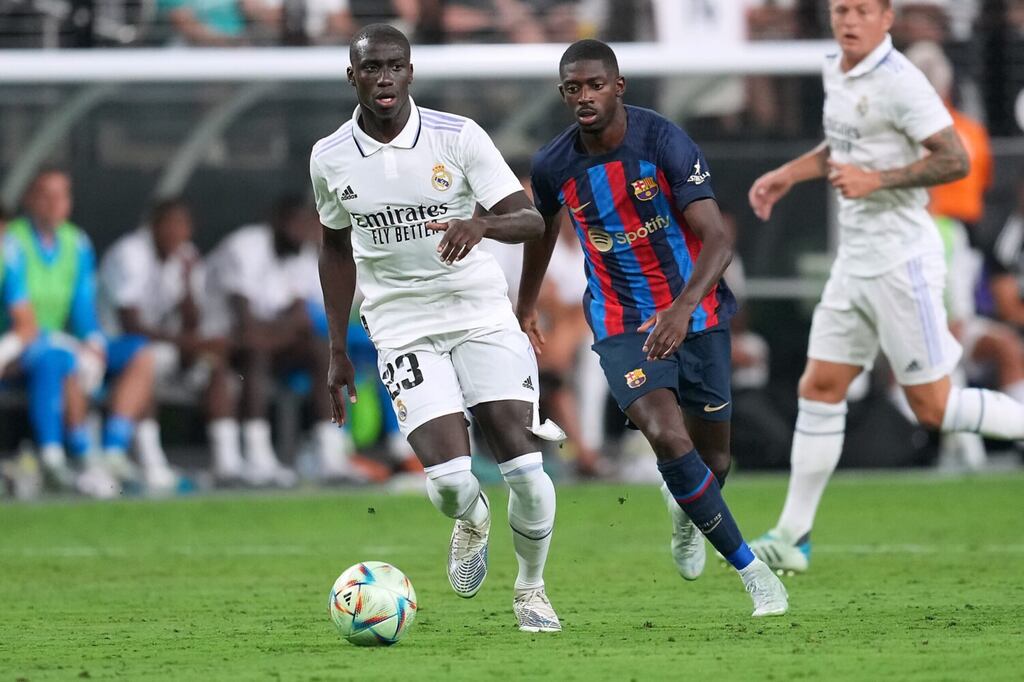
<point>438,168</point>
<point>875,117</point>
<point>245,264</point>
<point>133,276</point>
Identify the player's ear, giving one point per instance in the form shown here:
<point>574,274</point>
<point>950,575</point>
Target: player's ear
<point>351,76</point>
<point>561,93</point>
<point>620,86</point>
<point>410,72</point>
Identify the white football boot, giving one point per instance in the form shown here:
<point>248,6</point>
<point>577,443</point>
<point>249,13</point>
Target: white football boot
<point>534,611</point>
<point>782,552</point>
<point>687,545</point>
<point>467,554</point>
<point>765,589</point>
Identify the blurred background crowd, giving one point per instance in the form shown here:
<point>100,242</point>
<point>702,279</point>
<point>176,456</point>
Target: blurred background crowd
<point>168,239</point>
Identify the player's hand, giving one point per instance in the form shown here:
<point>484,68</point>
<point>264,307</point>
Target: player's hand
<point>529,321</point>
<point>667,331</point>
<point>853,182</point>
<point>767,190</point>
<point>341,374</point>
<point>460,236</point>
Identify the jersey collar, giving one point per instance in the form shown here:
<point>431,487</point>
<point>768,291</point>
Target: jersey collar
<point>405,140</point>
<point>870,62</point>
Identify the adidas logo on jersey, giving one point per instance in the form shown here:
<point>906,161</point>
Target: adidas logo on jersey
<point>914,366</point>
<point>349,193</point>
<point>528,383</point>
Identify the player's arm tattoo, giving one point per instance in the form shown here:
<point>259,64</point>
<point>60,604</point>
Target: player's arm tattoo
<point>946,161</point>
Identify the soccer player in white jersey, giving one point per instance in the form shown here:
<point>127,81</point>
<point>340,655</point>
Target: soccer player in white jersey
<point>887,137</point>
<point>396,188</point>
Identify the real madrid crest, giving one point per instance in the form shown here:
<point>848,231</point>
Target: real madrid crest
<point>441,179</point>
<point>862,106</point>
<point>400,410</point>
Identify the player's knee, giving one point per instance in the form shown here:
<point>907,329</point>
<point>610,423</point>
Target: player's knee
<point>820,387</point>
<point>668,442</point>
<point>929,412</point>
<point>720,462</point>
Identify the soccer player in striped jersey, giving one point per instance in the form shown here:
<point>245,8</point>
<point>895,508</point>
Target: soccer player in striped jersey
<point>638,191</point>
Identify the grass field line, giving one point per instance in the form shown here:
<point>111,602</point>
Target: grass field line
<point>82,551</point>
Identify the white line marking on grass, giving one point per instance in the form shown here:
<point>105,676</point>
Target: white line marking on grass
<point>919,549</point>
<point>80,552</point>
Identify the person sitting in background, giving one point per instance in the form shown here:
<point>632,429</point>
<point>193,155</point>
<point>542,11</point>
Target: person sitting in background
<point>151,280</point>
<point>218,23</point>
<point>315,22</point>
<point>490,21</point>
<point>258,286</point>
<point>1005,264</point>
<point>60,269</point>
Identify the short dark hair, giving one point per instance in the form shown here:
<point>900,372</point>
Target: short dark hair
<point>379,33</point>
<point>162,208</point>
<point>589,49</point>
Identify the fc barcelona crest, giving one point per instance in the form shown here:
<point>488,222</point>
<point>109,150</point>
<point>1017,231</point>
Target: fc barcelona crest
<point>635,378</point>
<point>645,189</point>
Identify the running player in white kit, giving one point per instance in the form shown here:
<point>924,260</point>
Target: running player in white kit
<point>396,188</point>
<point>888,136</point>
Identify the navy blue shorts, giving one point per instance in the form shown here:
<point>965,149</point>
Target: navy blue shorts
<point>699,373</point>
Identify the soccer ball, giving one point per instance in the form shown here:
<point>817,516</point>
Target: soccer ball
<point>372,604</point>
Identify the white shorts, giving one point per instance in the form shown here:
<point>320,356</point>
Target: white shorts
<point>900,312</point>
<point>449,373</point>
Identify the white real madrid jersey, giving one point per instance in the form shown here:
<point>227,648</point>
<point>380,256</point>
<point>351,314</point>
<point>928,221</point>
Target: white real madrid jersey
<point>876,115</point>
<point>438,168</point>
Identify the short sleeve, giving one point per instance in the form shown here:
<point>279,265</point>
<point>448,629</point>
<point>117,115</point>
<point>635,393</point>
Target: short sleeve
<point>123,277</point>
<point>684,166</point>
<point>485,168</point>
<point>14,285</point>
<point>332,213</point>
<point>545,196</point>
<point>917,109</point>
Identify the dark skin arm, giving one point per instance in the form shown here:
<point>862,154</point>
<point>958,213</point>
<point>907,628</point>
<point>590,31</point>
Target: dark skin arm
<point>536,257</point>
<point>338,280</point>
<point>668,327</point>
<point>1006,294</point>
<point>512,220</point>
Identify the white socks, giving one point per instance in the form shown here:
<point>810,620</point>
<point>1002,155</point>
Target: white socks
<point>531,514</point>
<point>817,444</point>
<point>259,449</point>
<point>992,414</point>
<point>454,490</point>
<point>331,447</point>
<point>147,445</point>
<point>227,452</point>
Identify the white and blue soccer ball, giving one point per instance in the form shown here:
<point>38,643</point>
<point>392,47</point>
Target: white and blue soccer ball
<point>372,604</point>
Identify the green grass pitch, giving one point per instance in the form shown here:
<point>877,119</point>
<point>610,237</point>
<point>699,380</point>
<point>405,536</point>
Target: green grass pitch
<point>913,577</point>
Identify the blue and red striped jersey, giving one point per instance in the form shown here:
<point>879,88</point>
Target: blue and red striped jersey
<point>627,208</point>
